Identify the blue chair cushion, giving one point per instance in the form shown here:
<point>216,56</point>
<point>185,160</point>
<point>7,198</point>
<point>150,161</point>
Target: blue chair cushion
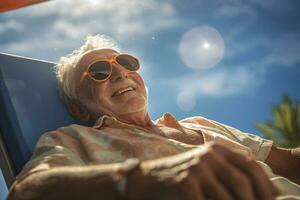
<point>3,187</point>
<point>29,105</point>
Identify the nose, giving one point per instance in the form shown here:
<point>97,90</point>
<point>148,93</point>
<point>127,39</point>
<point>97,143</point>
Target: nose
<point>118,72</point>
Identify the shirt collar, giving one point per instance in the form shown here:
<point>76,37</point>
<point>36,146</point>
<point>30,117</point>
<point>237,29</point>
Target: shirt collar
<point>167,119</point>
<point>103,121</point>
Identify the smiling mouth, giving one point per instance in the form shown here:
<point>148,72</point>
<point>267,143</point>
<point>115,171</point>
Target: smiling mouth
<point>122,91</point>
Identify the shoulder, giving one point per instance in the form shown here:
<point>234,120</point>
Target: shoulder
<point>205,122</point>
<point>259,146</point>
<point>61,134</point>
<point>194,119</point>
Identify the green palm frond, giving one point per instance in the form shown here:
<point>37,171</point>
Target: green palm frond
<point>264,128</point>
<point>287,112</point>
<point>298,119</point>
<point>284,130</point>
<point>279,118</point>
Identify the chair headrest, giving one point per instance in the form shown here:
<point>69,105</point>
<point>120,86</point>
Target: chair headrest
<point>29,105</point>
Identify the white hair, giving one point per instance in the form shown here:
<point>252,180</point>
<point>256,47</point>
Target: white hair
<point>66,65</point>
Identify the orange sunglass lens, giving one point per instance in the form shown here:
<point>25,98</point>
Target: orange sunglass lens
<point>99,70</point>
<point>127,61</point>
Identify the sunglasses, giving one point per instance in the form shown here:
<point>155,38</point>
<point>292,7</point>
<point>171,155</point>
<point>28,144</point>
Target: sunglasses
<point>101,70</point>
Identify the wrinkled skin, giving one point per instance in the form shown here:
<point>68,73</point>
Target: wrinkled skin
<point>130,107</point>
<point>215,171</point>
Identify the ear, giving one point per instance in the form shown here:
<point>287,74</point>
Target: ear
<point>79,112</point>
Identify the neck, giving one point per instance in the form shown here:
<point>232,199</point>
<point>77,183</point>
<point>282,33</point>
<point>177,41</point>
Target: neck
<point>137,119</point>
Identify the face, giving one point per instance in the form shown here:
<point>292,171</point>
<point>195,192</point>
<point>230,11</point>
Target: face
<point>121,95</point>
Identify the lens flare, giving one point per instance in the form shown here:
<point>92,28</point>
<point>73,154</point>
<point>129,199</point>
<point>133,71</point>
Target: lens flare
<point>186,101</point>
<point>201,47</point>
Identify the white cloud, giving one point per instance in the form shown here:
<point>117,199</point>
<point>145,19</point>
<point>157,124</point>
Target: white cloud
<point>69,21</point>
<point>34,45</point>
<point>186,101</point>
<point>279,50</point>
<point>285,49</point>
<point>274,6</point>
<point>233,10</point>
<point>61,26</point>
<point>227,82</point>
<point>237,47</point>
<point>218,83</point>
<point>221,82</point>
<point>68,29</point>
<point>119,17</point>
<point>10,25</point>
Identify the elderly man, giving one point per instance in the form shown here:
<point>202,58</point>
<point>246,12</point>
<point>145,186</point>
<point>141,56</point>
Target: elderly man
<point>126,155</point>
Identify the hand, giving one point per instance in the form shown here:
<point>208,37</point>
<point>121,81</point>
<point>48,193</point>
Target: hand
<point>212,171</point>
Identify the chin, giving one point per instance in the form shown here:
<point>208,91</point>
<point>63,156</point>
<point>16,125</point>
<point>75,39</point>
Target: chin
<point>134,105</point>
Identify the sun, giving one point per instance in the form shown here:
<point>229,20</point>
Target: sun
<point>206,45</point>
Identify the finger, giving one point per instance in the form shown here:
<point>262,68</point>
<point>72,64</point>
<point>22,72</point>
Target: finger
<point>263,187</point>
<point>209,182</point>
<point>168,162</point>
<point>191,189</point>
<point>232,178</point>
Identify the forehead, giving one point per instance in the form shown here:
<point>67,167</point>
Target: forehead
<point>97,54</point>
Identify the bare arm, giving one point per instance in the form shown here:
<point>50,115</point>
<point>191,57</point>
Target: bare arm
<point>193,175</point>
<point>88,182</point>
<point>58,172</point>
<point>285,162</point>
<point>212,171</point>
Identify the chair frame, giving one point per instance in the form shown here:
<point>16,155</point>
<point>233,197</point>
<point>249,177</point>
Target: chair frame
<point>5,164</point>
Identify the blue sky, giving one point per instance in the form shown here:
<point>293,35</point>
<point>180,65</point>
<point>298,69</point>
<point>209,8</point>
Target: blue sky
<point>227,60</point>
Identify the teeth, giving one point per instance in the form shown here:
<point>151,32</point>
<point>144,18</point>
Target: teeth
<point>124,90</point>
